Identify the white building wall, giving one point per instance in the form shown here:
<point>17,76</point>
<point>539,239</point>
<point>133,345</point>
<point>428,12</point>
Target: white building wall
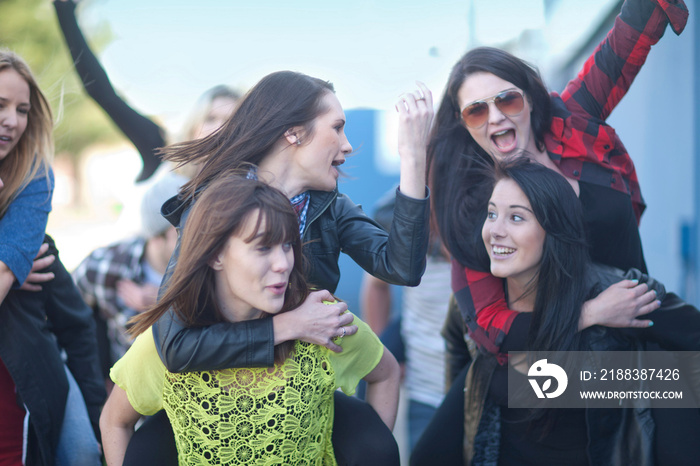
<point>656,122</point>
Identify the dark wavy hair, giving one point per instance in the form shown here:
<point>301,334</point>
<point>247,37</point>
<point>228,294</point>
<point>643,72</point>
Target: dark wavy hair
<point>561,285</point>
<point>221,211</point>
<point>456,162</point>
<point>279,101</point>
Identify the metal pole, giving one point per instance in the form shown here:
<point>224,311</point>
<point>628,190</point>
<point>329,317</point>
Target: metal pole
<point>695,245</point>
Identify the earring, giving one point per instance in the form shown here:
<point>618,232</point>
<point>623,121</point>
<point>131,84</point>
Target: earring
<point>298,142</point>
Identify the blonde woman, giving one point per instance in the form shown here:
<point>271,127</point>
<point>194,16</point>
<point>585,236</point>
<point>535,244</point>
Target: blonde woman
<point>44,415</point>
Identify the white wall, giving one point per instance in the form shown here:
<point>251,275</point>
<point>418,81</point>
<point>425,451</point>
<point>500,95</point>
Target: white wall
<point>656,123</point>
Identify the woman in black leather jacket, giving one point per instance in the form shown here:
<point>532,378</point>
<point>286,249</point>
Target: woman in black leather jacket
<point>289,131</point>
<point>534,238</point>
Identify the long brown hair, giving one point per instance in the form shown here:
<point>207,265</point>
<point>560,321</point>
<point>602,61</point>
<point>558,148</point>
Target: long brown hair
<point>457,164</point>
<point>280,101</point>
<point>221,211</point>
<point>34,150</point>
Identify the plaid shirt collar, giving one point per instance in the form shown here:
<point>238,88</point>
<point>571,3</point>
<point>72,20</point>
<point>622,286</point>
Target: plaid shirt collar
<point>300,202</point>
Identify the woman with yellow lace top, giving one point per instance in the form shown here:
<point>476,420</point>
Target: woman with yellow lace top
<point>241,250</point>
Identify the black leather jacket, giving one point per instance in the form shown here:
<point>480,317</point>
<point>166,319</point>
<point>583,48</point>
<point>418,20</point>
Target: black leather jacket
<point>616,436</point>
<point>34,328</point>
<point>335,224</point>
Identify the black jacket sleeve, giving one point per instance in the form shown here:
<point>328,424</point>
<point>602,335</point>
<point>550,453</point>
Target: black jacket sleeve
<point>397,257</point>
<point>72,322</point>
<point>457,354</point>
<point>141,131</point>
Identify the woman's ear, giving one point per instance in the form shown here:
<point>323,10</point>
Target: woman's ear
<point>217,263</point>
<point>293,135</point>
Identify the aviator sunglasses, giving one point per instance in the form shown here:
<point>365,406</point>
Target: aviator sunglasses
<point>509,102</point>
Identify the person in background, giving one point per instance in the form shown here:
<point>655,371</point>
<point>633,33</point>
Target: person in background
<point>47,405</point>
<point>209,113</point>
<point>121,280</point>
<point>241,252</point>
<point>415,332</point>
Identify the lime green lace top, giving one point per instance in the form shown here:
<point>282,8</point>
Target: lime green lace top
<point>280,415</point>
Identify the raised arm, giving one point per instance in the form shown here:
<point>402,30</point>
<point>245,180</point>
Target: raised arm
<point>579,139</point>
<point>609,71</point>
<point>141,131</point>
<point>415,118</point>
<point>397,257</point>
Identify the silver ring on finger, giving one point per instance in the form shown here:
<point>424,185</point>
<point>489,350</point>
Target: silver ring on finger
<point>342,334</point>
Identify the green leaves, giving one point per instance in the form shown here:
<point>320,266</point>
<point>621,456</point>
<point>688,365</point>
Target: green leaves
<point>30,28</point>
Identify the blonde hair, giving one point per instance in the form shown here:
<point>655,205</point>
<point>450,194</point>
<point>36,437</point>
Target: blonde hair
<point>35,149</point>
<point>202,107</point>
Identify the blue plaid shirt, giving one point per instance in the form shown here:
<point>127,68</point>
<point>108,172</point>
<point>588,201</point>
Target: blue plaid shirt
<point>300,202</point>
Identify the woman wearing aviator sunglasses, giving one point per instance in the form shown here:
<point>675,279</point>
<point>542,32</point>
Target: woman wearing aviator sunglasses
<point>496,105</point>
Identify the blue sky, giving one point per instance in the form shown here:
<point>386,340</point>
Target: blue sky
<point>165,53</point>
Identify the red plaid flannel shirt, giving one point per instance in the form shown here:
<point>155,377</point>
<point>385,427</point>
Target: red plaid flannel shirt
<point>581,143</point>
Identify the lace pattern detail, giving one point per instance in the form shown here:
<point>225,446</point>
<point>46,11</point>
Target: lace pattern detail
<point>255,416</point>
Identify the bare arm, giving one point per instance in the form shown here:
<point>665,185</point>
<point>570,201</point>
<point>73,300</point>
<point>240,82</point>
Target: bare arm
<point>375,300</point>
<point>619,306</point>
<point>415,118</point>
<point>117,425</point>
<point>609,72</point>
<point>383,384</point>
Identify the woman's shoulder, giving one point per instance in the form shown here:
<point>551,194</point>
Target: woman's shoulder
<point>602,275</point>
<point>321,200</point>
<point>43,178</point>
<point>176,209</point>
<point>37,189</point>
